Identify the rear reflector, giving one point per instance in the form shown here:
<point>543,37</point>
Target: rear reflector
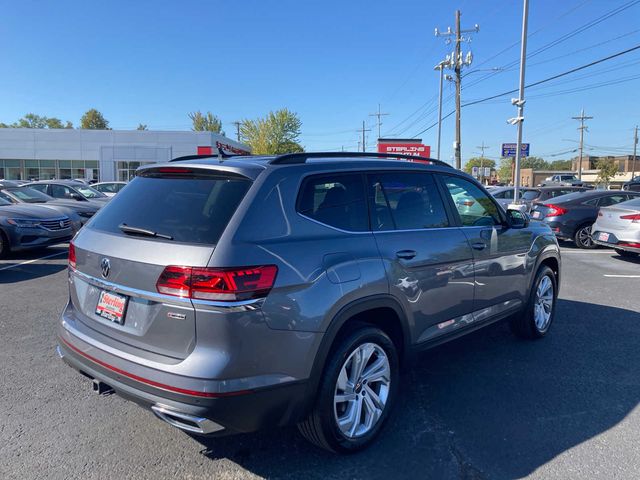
<point>635,218</point>
<point>629,244</point>
<point>72,256</point>
<point>555,210</point>
<point>219,284</point>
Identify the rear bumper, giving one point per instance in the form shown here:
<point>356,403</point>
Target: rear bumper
<point>224,413</point>
<point>617,246</point>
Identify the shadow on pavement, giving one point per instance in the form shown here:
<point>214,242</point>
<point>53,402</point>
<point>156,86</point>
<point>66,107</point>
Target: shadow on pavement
<point>485,406</point>
<point>13,268</point>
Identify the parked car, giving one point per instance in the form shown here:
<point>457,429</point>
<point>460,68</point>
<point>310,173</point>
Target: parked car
<point>309,279</point>
<point>562,180</point>
<point>543,194</point>
<point>619,227</point>
<point>23,227</point>
<point>571,216</point>
<point>633,184</point>
<point>504,195</point>
<point>109,188</point>
<point>84,210</point>
<point>70,190</point>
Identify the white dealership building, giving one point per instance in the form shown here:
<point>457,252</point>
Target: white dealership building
<point>42,154</point>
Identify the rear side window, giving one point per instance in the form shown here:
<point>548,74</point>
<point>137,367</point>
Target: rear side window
<point>612,200</point>
<point>405,201</point>
<point>337,200</point>
<point>188,209</point>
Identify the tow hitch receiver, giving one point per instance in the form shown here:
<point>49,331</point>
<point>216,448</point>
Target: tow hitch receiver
<point>102,388</point>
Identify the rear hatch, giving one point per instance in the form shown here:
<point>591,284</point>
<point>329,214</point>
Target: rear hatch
<point>167,216</point>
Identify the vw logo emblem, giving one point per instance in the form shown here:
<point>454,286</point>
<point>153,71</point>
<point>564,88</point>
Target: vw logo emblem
<point>61,224</point>
<point>105,266</point>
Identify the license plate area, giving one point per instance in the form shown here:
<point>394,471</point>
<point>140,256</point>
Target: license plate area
<point>536,214</point>
<point>112,306</point>
<point>604,236</point>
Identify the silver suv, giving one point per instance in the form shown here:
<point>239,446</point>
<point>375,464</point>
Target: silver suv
<point>230,294</point>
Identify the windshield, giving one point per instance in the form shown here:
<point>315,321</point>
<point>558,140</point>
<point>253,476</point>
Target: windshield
<point>29,195</point>
<point>88,192</point>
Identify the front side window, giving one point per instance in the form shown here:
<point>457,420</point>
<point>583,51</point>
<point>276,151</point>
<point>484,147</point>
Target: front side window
<point>405,201</point>
<point>336,199</point>
<point>474,206</point>
<point>61,191</point>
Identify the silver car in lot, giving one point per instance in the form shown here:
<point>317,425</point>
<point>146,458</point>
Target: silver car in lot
<point>618,227</point>
<point>231,294</point>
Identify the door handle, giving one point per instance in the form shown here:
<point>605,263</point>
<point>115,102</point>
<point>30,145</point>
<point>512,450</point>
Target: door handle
<point>479,246</point>
<point>406,254</point>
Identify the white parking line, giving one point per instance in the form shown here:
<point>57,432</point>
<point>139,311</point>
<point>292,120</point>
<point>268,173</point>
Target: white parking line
<point>32,261</point>
<point>622,276</point>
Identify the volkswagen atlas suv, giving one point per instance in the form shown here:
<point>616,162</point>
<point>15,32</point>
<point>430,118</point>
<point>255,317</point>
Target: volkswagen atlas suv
<point>247,292</point>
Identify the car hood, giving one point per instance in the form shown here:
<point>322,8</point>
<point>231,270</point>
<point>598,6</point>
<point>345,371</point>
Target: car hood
<point>29,211</point>
<point>75,205</point>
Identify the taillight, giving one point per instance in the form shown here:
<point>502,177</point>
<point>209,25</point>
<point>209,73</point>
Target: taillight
<point>72,256</point>
<point>555,210</point>
<point>635,217</point>
<point>629,244</point>
<point>220,284</point>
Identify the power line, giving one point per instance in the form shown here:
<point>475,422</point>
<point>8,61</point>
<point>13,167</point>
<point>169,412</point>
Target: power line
<point>539,82</point>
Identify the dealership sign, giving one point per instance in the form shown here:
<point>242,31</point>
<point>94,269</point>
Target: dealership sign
<point>510,149</point>
<point>413,147</point>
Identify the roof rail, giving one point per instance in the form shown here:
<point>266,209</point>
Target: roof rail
<point>298,158</point>
<point>221,154</point>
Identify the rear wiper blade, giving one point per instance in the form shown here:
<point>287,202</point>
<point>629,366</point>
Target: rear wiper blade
<point>142,231</point>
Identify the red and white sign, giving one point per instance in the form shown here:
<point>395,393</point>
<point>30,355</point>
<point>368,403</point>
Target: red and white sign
<point>417,149</point>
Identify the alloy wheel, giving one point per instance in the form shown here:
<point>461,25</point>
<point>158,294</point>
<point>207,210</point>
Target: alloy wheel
<point>362,390</point>
<point>584,237</point>
<point>543,306</point>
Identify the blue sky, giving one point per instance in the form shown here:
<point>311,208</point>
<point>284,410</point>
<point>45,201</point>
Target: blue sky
<point>332,62</point>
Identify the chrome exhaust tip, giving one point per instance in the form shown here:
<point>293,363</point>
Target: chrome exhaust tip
<point>59,351</point>
<point>185,421</point>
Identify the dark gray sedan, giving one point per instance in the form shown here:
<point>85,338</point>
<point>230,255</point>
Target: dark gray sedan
<point>572,216</point>
<point>24,227</point>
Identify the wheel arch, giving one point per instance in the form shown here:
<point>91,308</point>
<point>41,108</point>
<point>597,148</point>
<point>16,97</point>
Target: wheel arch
<point>382,311</point>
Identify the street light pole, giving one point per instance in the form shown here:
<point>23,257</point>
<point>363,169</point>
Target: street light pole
<point>440,67</point>
<point>520,101</point>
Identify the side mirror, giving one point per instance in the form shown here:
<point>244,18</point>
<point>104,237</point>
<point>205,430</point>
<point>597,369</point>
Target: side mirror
<point>518,218</point>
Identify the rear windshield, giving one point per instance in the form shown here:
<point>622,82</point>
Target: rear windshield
<point>190,210</point>
<point>530,194</point>
<point>634,202</point>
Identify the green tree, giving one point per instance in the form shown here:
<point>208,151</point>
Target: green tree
<point>31,120</point>
<point>94,120</point>
<point>142,126</point>
<point>560,165</point>
<point>505,172</point>
<point>478,162</point>
<point>54,122</point>
<point>607,170</point>
<point>205,123</point>
<point>4,125</point>
<point>277,133</point>
<point>536,163</point>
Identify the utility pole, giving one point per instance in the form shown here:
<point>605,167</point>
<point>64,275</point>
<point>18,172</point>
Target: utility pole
<point>457,62</point>
<point>519,102</point>
<point>635,146</point>
<point>582,128</point>
<point>364,145</point>
<point>379,115</point>
<point>482,148</point>
<point>237,124</point>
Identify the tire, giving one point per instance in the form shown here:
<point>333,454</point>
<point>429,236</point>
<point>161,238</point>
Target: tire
<point>582,237</point>
<point>321,426</point>
<point>529,324</point>
<point>626,253</point>
<point>5,248</point>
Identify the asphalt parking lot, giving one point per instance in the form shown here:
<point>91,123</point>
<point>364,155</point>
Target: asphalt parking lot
<point>486,406</point>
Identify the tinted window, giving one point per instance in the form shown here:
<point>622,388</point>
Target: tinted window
<point>612,200</point>
<point>61,191</point>
<point>88,192</point>
<point>5,197</point>
<point>336,200</point>
<point>4,202</point>
<point>405,201</point>
<point>191,210</point>
<point>530,195</point>
<point>473,205</point>
<point>41,187</point>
